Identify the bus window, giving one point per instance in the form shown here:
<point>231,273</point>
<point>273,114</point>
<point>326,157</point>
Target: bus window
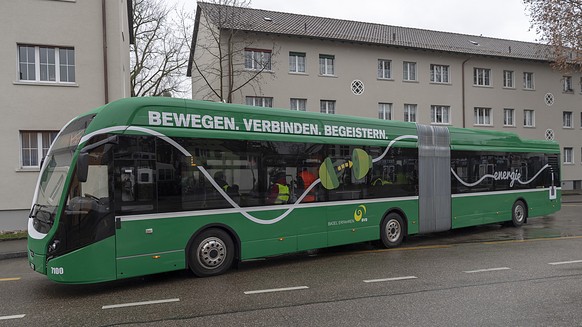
<point>88,216</point>
<point>134,171</point>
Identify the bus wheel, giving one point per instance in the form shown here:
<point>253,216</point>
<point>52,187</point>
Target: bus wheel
<point>392,230</point>
<point>211,253</point>
<point>518,213</point>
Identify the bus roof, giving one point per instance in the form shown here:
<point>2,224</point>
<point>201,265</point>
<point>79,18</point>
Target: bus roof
<point>191,118</point>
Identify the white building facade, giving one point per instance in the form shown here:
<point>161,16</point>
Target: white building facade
<point>353,68</point>
<point>58,59</point>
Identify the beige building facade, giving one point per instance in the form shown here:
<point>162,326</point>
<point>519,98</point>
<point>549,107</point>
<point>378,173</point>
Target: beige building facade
<point>387,72</point>
<point>58,59</point>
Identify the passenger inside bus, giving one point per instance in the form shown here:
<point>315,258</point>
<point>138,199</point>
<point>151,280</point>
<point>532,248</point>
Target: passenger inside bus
<point>279,191</point>
<point>304,180</point>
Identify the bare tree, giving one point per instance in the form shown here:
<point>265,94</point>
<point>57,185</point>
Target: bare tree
<point>160,55</point>
<point>219,58</point>
<point>559,24</point>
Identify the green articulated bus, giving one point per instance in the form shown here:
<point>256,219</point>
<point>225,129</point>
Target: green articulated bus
<point>149,185</point>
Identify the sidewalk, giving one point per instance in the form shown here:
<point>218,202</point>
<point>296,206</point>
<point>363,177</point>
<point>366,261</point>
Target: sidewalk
<point>12,249</point>
<point>17,248</point>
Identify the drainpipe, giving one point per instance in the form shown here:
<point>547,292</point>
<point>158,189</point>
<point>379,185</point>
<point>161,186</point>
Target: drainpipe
<point>105,65</point>
<point>463,88</point>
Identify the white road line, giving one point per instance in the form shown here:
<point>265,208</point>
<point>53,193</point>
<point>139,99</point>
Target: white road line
<point>486,270</point>
<point>277,290</point>
<point>389,279</point>
<point>11,317</point>
<point>564,262</point>
<point>138,303</point>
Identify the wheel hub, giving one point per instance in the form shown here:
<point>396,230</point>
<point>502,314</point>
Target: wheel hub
<point>211,253</point>
<point>393,230</point>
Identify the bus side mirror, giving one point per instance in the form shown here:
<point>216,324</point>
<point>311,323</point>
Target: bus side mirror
<point>82,166</point>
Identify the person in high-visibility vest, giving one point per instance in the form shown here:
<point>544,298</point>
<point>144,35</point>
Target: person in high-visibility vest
<point>221,181</point>
<point>231,191</point>
<point>279,192</point>
<point>304,179</point>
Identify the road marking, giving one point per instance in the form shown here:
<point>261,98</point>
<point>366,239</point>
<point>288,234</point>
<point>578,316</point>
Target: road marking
<point>9,279</point>
<point>113,306</point>
<point>559,238</point>
<point>564,262</point>
<point>486,270</point>
<point>389,279</point>
<point>11,317</point>
<point>412,248</point>
<point>277,290</point>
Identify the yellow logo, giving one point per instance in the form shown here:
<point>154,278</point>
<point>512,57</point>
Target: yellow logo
<point>360,212</point>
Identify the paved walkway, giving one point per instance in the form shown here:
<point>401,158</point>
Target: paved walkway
<point>17,248</point>
<point>12,249</point>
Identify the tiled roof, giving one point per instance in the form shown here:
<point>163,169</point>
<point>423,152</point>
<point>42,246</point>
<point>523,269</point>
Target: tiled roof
<point>273,22</point>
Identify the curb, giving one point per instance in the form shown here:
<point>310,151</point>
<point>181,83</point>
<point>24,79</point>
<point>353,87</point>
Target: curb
<point>12,255</point>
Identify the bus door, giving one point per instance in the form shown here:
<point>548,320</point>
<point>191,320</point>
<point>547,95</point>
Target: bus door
<point>134,175</point>
<point>434,181</point>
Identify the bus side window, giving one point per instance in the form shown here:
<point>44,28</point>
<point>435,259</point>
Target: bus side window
<point>135,175</point>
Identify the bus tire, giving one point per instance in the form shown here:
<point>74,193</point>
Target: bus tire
<point>211,253</point>
<point>518,213</point>
<point>392,230</point>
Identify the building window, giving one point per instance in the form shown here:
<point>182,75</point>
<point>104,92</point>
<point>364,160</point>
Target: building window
<point>34,146</point>
<point>409,71</point>
<point>385,111</point>
<point>259,101</point>
<point>326,65</point>
<point>508,79</point>
<point>482,76</point>
<point>327,106</point>
<point>410,113</point>
<point>439,74</point>
<point>508,117</point>
<point>440,114</point>
<point>384,69</point>
<point>567,119</point>
<point>257,59</point>
<point>567,84</point>
<point>529,118</point>
<point>298,104</point>
<point>568,155</point>
<point>528,81</point>
<point>46,64</point>
<point>296,62</point>
<point>483,116</point>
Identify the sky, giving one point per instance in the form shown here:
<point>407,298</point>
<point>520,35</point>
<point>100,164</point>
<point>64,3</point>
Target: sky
<point>505,19</point>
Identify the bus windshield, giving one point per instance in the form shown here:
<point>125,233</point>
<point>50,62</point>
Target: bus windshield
<point>54,173</point>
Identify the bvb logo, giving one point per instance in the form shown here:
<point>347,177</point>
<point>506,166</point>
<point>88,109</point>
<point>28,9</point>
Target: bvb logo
<point>360,212</point>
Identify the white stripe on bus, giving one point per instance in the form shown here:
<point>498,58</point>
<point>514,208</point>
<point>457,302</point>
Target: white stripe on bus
<point>263,208</point>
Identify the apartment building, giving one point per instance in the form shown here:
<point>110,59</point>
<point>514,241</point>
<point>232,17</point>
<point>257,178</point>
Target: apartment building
<point>58,59</point>
<point>345,67</point>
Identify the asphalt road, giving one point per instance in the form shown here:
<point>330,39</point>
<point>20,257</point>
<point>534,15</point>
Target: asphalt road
<point>482,276</point>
